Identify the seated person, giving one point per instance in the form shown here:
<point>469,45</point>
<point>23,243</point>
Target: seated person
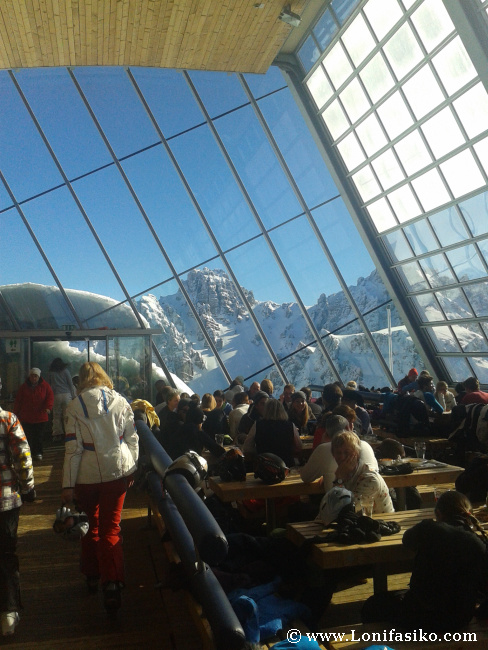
<point>409,378</point>
<point>255,413</point>
<point>299,412</point>
<point>356,475</point>
<point>316,409</point>
<point>444,396</point>
<point>240,406</point>
<point>274,433</point>
<point>322,463</point>
<point>390,448</point>
<point>473,393</point>
<point>450,569</point>
<point>363,424</point>
<point>188,435</point>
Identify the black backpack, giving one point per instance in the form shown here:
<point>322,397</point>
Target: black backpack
<point>406,406</point>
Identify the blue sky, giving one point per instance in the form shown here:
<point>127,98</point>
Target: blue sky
<point>64,235</point>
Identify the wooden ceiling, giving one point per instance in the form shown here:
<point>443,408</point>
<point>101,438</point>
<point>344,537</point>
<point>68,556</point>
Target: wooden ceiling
<point>226,35</point>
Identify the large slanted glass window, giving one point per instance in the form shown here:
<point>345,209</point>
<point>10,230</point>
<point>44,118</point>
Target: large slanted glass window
<point>407,115</point>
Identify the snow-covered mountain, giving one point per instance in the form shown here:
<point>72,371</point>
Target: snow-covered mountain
<point>231,329</point>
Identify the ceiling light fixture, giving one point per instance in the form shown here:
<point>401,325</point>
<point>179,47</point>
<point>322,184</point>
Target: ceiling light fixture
<point>287,16</point>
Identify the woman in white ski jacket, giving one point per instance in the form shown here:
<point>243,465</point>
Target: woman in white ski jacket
<point>101,454</point>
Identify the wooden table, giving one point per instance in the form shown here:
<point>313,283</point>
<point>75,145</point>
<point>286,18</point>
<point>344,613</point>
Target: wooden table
<point>429,476</point>
<point>381,555</point>
<point>254,488</point>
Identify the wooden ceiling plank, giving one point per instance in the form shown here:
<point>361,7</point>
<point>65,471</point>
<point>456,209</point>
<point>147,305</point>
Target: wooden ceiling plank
<point>60,35</point>
<point>50,33</point>
<point>120,30</point>
<point>170,49</point>
<point>14,36</point>
<point>28,25</point>
<point>112,50</point>
<point>141,23</point>
<point>148,29</point>
<point>164,26</point>
<point>6,56</point>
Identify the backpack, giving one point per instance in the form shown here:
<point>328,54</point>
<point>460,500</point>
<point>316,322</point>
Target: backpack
<point>410,405</point>
<point>471,433</point>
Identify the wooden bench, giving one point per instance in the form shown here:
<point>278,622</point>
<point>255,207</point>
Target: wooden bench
<point>366,635</point>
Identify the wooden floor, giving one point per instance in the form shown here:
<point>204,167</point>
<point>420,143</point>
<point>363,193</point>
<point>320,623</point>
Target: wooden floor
<point>58,611</point>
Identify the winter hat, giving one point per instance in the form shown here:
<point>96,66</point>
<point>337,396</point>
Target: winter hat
<point>332,503</point>
<point>257,397</point>
<point>299,395</point>
<point>413,371</point>
<point>144,405</point>
<point>35,371</point>
<point>352,385</point>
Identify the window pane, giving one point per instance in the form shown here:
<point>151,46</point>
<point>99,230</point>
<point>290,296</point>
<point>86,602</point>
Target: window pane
<point>431,190</point>
<point>470,337</point>
<point>413,153</point>
<point>483,246</point>
<point>371,135</point>
<point>343,9</point>
<point>423,92</point>
<point>466,263</point>
<point>412,276</point>
<point>432,23</point>
<point>319,87</point>
<point>366,183</point>
<point>163,196</point>
<point>117,108</point>
<point>354,100</point>
<point>482,152</point>
<point>309,53</point>
<point>382,215</point>
<point>462,173</point>
<point>31,170</point>
<point>258,166</point>
<point>219,92</point>
<point>337,65</point>
<point>298,147</point>
<point>472,109</point>
<point>394,115</point>
<point>111,209</point>
<point>214,187</point>
<point>454,66</point>
<point>38,307</point>
<point>169,98</point>
<point>427,308</point>
<point>475,212</point>
<point>476,294</point>
<point>62,233</point>
<point>362,358</point>
<point>358,40</point>
<point>448,227</point>
<point>421,237</point>
<point>382,21</point>
<point>480,366</point>
<point>437,270</point>
<point>262,84</point>
<point>344,242</point>
<point>98,311</point>
<point>457,367</point>
<point>182,344</point>
<point>388,170</point>
<point>325,29</point>
<point>335,119</point>
<point>443,133</point>
<point>376,77</point>
<point>64,119</point>
<point>351,151</point>
<point>404,204</point>
<point>403,51</point>
<point>397,246</point>
<point>454,304</point>
<point>443,339</point>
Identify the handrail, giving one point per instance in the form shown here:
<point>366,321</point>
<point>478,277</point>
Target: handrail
<point>197,538</point>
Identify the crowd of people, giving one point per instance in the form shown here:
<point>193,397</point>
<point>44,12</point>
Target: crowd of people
<point>101,454</point>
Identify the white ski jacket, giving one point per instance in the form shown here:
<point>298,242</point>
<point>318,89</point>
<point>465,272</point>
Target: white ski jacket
<point>101,441</point>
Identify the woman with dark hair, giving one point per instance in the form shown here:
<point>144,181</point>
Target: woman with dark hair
<point>274,433</point>
<point>450,571</point>
<point>299,412</point>
<point>59,379</point>
<point>101,455</point>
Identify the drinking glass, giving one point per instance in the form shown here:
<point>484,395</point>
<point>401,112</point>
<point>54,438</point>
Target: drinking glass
<point>420,450</point>
<point>367,504</point>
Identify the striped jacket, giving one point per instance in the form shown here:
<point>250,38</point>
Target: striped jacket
<point>16,474</point>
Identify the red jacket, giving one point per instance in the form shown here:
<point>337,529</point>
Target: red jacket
<point>31,402</point>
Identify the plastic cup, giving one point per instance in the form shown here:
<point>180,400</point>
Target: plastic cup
<point>367,505</point>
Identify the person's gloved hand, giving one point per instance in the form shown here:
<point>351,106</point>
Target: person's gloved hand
<point>29,497</point>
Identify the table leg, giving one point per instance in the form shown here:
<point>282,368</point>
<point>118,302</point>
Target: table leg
<point>401,498</point>
<point>270,515</point>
